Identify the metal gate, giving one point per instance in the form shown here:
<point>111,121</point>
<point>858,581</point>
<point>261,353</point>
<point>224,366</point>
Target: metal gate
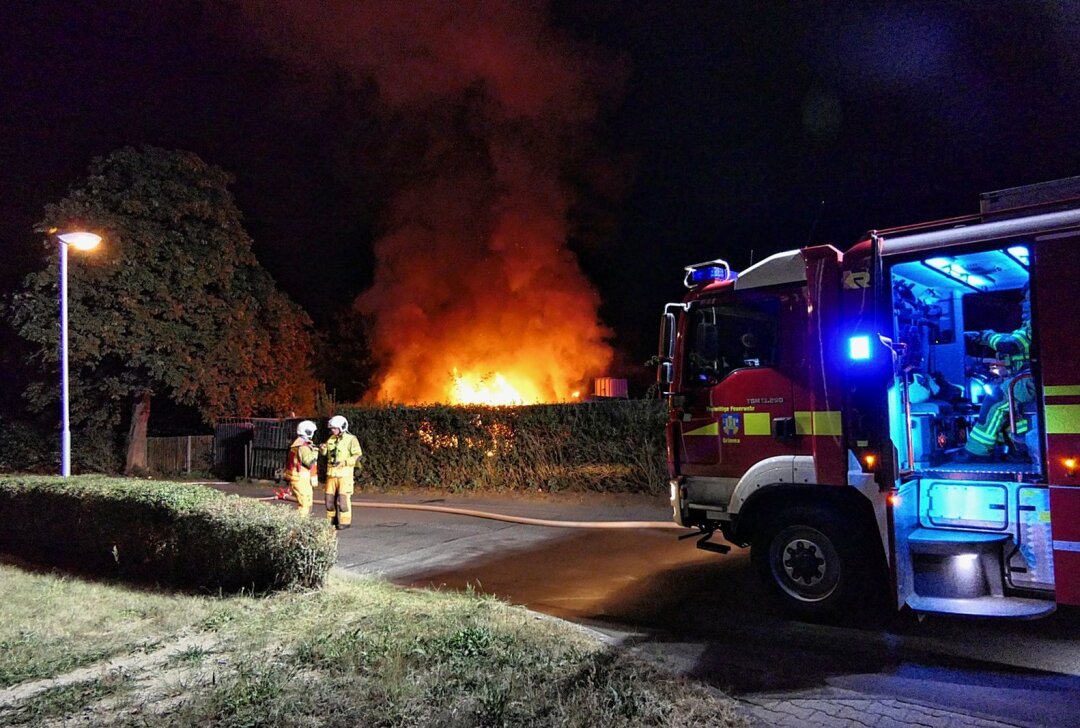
<point>253,447</point>
<point>184,454</point>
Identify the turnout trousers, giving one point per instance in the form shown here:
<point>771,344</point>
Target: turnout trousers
<point>339,489</point>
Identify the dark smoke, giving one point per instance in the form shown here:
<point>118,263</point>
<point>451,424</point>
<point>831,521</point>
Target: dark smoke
<point>491,110</point>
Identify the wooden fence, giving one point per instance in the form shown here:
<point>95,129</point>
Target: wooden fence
<point>184,454</point>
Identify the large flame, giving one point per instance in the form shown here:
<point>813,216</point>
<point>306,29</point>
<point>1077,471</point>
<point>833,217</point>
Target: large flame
<point>485,305</point>
<point>493,389</point>
<point>487,107</point>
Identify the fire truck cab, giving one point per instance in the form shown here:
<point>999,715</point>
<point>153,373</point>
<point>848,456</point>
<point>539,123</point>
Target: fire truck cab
<point>899,420</point>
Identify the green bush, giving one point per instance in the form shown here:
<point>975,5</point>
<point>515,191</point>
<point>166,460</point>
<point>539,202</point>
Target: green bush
<point>173,534</point>
<point>27,446</point>
<point>615,446</point>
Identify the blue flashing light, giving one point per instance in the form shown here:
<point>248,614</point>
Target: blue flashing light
<point>709,273</point>
<point>859,348</point>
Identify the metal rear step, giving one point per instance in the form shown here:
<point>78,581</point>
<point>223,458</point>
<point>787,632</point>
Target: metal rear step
<point>1009,607</point>
<point>961,572</point>
<point>947,542</point>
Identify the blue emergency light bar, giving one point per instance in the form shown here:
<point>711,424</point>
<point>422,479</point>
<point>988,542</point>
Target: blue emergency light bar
<point>859,348</point>
<point>708,272</point>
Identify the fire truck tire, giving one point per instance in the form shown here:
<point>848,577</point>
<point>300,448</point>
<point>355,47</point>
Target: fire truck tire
<point>811,563</point>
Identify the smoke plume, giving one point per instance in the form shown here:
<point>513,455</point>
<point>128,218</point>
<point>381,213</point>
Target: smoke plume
<point>490,109</point>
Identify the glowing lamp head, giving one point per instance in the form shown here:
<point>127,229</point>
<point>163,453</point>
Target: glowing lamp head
<point>80,240</point>
<point>894,499</point>
<point>870,461</point>
<point>1070,466</point>
<point>859,348</point>
<point>1020,254</point>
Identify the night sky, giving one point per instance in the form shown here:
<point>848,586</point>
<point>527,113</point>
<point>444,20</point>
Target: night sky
<point>715,129</point>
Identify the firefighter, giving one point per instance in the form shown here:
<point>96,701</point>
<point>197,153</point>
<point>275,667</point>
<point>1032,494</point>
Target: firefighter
<point>343,453</point>
<point>302,466</point>
<point>994,417</point>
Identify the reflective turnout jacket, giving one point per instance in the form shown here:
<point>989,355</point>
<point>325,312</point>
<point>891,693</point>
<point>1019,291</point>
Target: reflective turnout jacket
<point>302,457</point>
<point>343,449</point>
<point>1015,347</point>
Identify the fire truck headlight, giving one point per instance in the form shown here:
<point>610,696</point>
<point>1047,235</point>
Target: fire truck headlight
<point>859,348</point>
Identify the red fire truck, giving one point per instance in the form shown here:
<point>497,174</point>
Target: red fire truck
<point>848,417</point>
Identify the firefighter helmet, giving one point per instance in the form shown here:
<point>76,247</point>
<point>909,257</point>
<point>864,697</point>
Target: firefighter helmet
<point>340,423</point>
<point>306,429</point>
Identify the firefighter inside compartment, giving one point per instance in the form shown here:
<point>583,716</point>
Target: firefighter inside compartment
<point>342,452</point>
<point>301,466</point>
<point>998,421</point>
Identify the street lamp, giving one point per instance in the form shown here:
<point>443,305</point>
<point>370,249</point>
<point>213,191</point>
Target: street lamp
<point>79,241</point>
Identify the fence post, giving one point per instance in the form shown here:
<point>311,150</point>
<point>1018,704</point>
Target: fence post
<point>189,454</point>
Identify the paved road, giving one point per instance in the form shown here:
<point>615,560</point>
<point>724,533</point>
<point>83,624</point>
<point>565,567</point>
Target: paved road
<point>705,615</point>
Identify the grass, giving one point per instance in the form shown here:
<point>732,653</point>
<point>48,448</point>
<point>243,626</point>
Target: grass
<point>62,701</point>
<point>358,652</point>
<point>53,624</point>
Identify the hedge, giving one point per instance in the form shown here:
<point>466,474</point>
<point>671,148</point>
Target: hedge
<point>614,446</point>
<point>174,534</point>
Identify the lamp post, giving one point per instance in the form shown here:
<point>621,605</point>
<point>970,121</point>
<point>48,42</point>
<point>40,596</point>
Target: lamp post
<point>79,241</point>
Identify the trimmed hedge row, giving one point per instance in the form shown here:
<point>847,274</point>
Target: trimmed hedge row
<point>174,534</point>
<point>613,446</point>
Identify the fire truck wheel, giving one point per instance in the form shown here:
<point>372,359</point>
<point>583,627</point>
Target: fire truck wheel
<point>813,568</point>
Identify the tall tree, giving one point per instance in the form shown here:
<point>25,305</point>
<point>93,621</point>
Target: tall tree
<point>172,304</point>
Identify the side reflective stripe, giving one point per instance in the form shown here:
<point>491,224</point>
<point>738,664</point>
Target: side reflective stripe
<point>1063,390</point>
<point>827,423</point>
<point>1067,546</point>
<point>757,423</point>
<point>803,423</point>
<point>1063,419</point>
<point>824,423</point>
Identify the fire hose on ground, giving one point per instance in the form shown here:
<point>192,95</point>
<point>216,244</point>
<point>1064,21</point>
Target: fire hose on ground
<point>524,520</point>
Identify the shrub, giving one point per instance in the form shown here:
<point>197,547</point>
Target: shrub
<point>615,446</point>
<point>173,534</point>
<point>28,446</point>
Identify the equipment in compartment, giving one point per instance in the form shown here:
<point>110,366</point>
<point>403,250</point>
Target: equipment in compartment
<point>945,378</point>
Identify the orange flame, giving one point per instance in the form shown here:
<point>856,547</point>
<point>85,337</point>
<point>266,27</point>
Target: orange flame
<point>516,328</point>
<point>492,109</point>
<point>490,389</point>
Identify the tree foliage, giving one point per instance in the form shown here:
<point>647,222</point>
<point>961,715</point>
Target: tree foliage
<point>172,304</point>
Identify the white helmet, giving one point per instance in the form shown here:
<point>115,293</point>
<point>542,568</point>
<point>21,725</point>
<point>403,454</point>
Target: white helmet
<point>306,429</point>
<point>340,423</point>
